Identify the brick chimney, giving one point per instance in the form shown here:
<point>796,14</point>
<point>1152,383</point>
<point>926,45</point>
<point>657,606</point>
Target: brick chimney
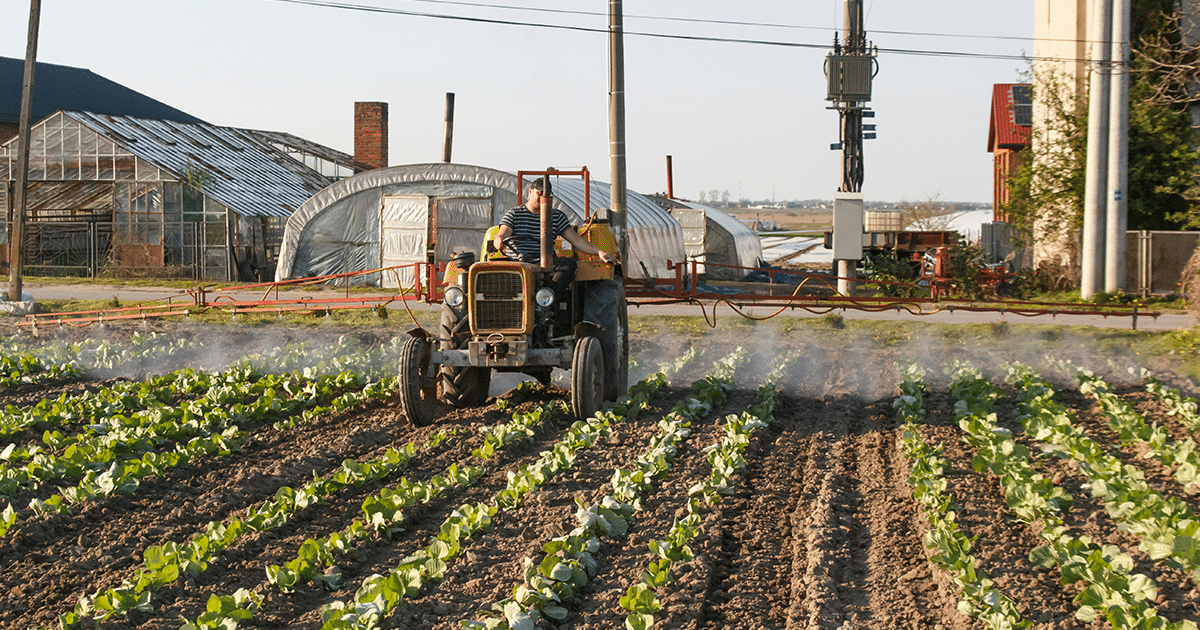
<point>371,134</point>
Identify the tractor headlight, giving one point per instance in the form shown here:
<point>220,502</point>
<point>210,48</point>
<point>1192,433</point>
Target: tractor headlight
<point>544,297</point>
<point>454,296</point>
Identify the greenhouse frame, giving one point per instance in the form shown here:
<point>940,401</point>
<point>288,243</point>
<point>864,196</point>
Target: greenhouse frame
<point>133,197</point>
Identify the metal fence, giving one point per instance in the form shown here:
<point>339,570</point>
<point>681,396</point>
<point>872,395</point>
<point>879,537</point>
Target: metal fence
<point>91,249</point>
<point>1154,260</point>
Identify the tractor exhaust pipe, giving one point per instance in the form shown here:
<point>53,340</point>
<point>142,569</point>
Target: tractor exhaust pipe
<point>544,212</point>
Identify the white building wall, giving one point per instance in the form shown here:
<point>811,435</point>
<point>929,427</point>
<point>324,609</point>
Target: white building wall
<point>1060,59</point>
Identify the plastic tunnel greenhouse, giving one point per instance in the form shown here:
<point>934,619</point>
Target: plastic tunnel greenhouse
<point>393,216</point>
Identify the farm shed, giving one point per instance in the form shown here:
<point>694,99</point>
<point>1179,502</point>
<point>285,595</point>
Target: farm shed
<point>713,236</point>
<point>127,196</point>
<point>393,216</point>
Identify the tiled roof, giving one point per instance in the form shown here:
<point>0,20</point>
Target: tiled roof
<point>1012,116</point>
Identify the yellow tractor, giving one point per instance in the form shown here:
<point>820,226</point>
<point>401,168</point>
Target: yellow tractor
<point>498,313</point>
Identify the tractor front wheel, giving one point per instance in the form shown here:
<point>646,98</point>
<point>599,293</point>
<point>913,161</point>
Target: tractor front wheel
<point>587,378</point>
<point>461,386</point>
<point>418,392</point>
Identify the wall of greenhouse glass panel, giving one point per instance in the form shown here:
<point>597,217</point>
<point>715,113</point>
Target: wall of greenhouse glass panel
<point>131,197</point>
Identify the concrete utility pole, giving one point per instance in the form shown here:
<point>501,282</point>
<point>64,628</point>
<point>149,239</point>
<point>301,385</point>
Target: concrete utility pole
<point>15,259</point>
<point>616,122</point>
<point>1117,217</point>
<point>1096,178</point>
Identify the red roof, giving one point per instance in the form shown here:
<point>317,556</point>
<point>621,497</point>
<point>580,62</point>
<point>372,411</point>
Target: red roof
<point>1012,116</point>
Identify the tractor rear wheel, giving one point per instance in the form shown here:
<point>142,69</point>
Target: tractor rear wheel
<point>587,378</point>
<point>418,393</point>
<point>604,305</point>
<point>461,386</point>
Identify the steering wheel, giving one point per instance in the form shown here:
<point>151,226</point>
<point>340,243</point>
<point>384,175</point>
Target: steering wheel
<point>508,247</point>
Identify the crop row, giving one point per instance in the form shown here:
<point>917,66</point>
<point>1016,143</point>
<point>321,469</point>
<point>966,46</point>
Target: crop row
<point>129,449</point>
<point>85,411</point>
<point>113,452</point>
<point>379,595</point>
<point>950,545</point>
<point>569,560</point>
<point>1166,526</point>
<point>165,564</point>
<point>1111,589</point>
<point>383,514</point>
<point>1131,428</point>
<point>1185,409</point>
<point>725,459</point>
<point>25,364</point>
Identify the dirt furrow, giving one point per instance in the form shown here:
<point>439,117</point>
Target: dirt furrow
<point>753,588</point>
<point>816,529</point>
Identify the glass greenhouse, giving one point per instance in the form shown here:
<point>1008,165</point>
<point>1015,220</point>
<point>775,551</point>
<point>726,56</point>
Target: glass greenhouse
<point>123,196</point>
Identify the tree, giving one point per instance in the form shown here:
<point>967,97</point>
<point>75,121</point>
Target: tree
<point>1164,154</point>
<point>930,215</point>
<point>1046,194</point>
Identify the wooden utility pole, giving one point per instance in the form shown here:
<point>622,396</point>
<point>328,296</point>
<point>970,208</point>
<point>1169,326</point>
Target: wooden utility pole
<point>448,140</point>
<point>616,122</point>
<point>17,235</point>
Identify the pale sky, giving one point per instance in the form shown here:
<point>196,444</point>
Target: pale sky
<point>746,118</point>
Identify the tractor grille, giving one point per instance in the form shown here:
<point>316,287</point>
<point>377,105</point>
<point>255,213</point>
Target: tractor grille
<point>499,301</point>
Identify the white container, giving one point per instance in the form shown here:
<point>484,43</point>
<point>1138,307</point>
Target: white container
<point>885,221</point>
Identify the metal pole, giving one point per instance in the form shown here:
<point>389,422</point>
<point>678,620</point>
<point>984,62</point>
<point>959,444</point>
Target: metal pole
<point>448,139</point>
<point>1117,217</point>
<point>1095,182</point>
<point>854,41</point>
<point>616,122</point>
<point>544,223</point>
<point>17,236</point>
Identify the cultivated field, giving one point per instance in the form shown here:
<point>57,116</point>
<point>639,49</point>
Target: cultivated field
<point>260,477</point>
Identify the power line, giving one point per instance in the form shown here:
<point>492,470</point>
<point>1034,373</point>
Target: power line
<point>665,18</point>
<point>700,38</point>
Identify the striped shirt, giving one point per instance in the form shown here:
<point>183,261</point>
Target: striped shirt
<point>526,225</point>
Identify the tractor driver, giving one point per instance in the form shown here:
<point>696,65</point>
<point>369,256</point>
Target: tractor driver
<point>523,224</point>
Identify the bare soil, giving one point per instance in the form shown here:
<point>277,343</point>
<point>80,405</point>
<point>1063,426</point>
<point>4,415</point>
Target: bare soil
<point>821,530</point>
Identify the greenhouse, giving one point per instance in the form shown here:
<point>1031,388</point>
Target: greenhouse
<point>398,215</point>
<point>131,197</point>
<point>715,237</point>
